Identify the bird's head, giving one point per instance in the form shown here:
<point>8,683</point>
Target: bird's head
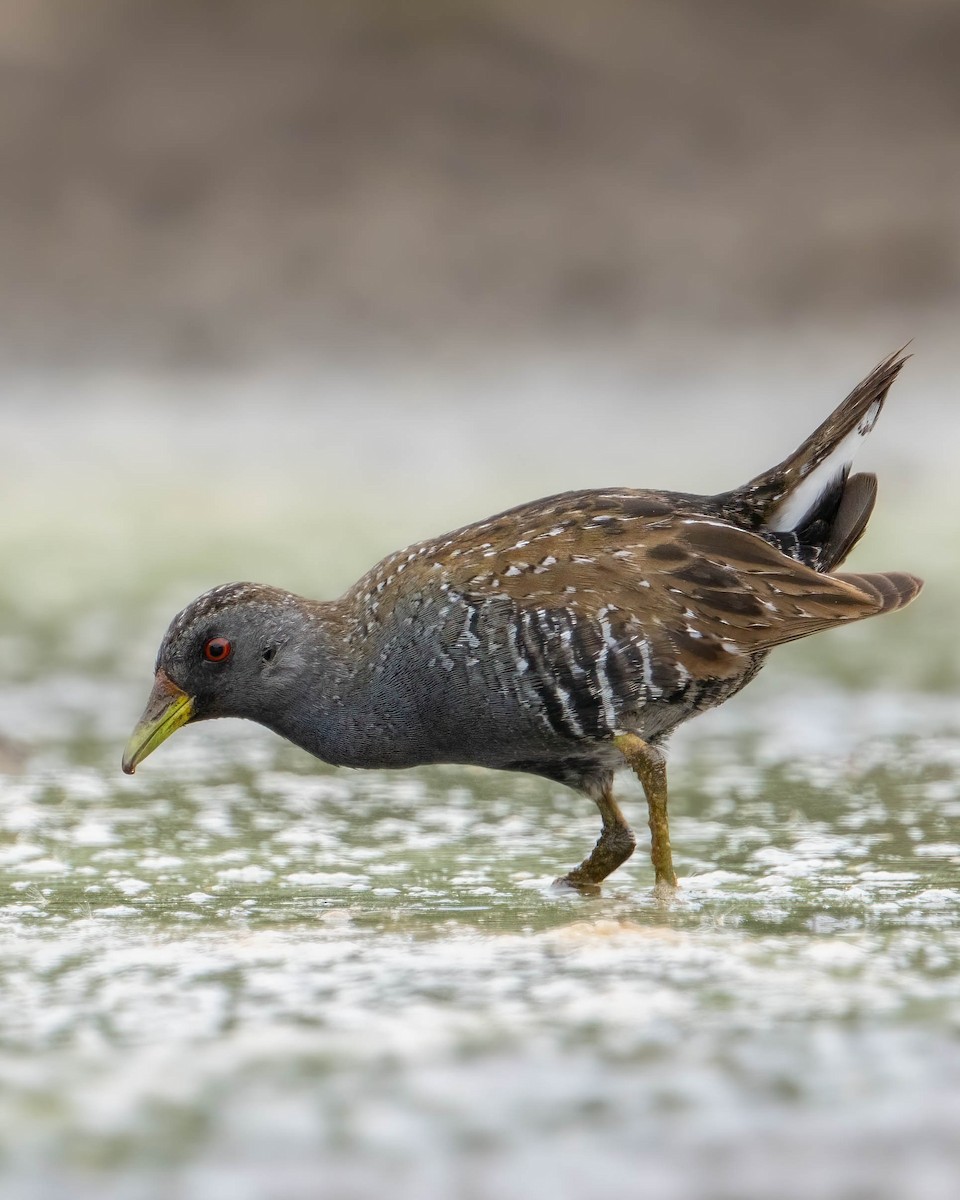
<point>236,651</point>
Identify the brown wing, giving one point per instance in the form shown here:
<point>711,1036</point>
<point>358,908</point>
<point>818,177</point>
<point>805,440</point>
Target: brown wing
<point>698,589</point>
<point>604,601</point>
<point>741,592</point>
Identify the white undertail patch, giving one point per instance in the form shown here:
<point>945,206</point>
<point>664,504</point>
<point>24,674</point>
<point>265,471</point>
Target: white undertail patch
<point>802,500</point>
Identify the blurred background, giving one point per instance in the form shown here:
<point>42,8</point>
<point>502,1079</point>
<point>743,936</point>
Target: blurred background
<point>385,267</point>
<point>286,285</point>
<point>216,184</point>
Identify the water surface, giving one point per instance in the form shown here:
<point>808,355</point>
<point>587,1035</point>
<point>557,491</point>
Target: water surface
<point>243,974</point>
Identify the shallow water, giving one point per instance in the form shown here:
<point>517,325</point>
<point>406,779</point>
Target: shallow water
<point>243,974</point>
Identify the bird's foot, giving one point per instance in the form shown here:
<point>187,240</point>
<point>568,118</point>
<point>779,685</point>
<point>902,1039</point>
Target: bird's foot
<point>666,890</point>
<point>570,882</point>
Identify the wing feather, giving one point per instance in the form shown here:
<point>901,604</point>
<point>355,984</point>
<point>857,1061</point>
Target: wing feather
<point>700,591</point>
<point>656,589</point>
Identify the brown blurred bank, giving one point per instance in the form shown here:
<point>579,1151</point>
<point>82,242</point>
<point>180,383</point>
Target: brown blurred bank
<point>207,182</point>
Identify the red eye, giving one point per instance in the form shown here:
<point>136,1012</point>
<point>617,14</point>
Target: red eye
<point>217,650</point>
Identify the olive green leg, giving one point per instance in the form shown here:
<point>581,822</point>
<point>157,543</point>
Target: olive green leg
<point>649,766</point>
<point>616,843</point>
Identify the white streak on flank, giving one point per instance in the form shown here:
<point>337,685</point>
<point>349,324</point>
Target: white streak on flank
<point>520,545</point>
<point>652,688</point>
<point>603,679</point>
<point>567,706</point>
<point>730,647</point>
<point>511,631</point>
<point>550,680</point>
<point>553,532</point>
<point>468,635</point>
<point>512,571</point>
<point>798,503</point>
<point>566,640</point>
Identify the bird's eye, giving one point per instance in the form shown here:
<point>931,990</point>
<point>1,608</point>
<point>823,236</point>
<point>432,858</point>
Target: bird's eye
<point>217,650</point>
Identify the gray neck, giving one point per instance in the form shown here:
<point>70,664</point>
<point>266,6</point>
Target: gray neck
<point>342,702</point>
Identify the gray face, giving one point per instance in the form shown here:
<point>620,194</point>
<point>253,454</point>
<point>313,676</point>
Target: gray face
<point>242,650</point>
<point>235,651</point>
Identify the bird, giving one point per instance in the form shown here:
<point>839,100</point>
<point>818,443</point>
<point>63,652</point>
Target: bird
<point>567,637</point>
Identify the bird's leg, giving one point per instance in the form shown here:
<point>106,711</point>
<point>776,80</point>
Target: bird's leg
<point>649,766</point>
<point>614,846</point>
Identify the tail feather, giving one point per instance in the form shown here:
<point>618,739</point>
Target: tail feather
<point>791,494</point>
<point>889,590</point>
<point>853,513</point>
